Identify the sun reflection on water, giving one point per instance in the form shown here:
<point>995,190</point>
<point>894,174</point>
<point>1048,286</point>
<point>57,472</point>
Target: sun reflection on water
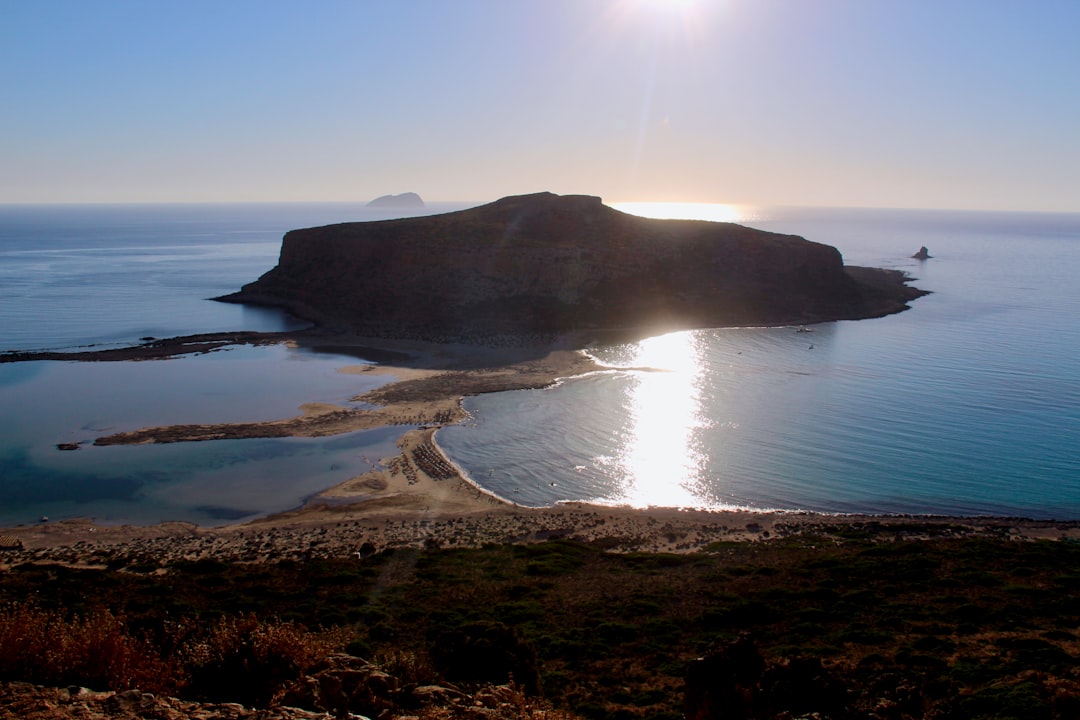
<point>660,458</point>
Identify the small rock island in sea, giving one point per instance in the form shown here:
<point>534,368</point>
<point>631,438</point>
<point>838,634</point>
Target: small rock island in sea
<point>545,264</point>
<point>404,200</point>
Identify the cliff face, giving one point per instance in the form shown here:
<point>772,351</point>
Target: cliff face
<point>549,264</point>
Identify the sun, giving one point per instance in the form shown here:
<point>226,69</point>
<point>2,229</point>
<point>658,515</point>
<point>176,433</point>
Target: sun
<point>665,6</point>
<point>682,12</point>
<point>670,4</point>
<point>686,12</point>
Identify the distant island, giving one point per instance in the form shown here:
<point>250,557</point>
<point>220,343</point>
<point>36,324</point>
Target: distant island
<point>404,200</point>
<point>545,264</point>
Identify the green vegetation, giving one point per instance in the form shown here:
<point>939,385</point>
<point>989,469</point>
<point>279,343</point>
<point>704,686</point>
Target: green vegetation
<point>966,628</point>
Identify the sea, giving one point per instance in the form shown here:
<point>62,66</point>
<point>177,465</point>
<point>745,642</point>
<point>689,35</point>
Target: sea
<point>966,404</point>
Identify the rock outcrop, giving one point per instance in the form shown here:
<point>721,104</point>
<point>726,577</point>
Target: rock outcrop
<point>922,254</point>
<point>404,200</point>
<point>547,264</point>
<point>338,687</point>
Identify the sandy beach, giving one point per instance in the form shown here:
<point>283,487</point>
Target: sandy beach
<point>419,498</point>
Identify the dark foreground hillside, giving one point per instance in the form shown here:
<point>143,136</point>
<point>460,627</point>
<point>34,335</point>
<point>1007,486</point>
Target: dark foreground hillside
<point>834,626</point>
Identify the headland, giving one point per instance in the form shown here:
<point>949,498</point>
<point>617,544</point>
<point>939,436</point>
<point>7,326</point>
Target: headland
<point>551,266</point>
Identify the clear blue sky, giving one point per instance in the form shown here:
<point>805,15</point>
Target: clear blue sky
<point>882,103</point>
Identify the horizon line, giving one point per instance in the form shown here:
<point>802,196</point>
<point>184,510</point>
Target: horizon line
<point>610,203</point>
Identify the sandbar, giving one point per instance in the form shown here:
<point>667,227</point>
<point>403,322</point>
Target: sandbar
<point>419,498</point>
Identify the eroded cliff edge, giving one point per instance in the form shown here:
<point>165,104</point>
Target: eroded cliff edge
<point>548,264</point>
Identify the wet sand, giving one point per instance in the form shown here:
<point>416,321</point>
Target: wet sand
<point>420,499</point>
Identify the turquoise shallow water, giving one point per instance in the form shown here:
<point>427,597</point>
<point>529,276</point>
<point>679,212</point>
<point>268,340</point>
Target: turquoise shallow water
<point>46,403</point>
<point>72,276</point>
<point>968,403</point>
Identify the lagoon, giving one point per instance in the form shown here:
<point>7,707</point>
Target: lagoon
<point>969,403</point>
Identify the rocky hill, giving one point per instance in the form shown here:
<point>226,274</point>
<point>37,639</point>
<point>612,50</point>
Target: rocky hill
<point>549,264</point>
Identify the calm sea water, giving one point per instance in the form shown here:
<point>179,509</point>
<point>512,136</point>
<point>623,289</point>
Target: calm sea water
<point>72,276</point>
<point>75,275</point>
<point>968,403</point>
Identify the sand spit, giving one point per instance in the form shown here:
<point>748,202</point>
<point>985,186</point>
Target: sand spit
<point>421,499</point>
<point>419,396</point>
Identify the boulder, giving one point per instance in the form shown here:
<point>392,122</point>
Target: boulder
<point>342,683</point>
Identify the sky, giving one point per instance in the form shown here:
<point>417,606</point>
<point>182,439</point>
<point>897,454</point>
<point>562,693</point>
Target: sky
<point>964,104</point>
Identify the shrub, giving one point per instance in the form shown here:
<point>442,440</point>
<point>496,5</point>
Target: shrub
<point>487,652</point>
<point>555,557</point>
<point>95,650</point>
<point>249,661</point>
<point>1020,701</point>
<point>409,668</point>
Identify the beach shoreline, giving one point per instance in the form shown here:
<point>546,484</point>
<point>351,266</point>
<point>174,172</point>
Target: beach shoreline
<point>336,526</point>
<point>419,498</point>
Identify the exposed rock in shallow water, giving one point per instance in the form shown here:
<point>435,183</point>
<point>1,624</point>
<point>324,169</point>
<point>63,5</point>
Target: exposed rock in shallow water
<point>548,264</point>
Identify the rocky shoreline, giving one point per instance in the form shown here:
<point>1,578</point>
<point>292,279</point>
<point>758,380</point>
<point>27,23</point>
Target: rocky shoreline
<point>354,530</point>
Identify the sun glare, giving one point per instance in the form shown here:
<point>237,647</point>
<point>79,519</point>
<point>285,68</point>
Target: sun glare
<point>681,12</point>
<point>717,212</point>
<point>669,4</point>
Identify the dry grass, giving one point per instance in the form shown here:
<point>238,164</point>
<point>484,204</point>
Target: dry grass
<point>501,703</point>
<point>247,660</point>
<point>94,650</point>
<point>235,659</point>
<point>956,625</point>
